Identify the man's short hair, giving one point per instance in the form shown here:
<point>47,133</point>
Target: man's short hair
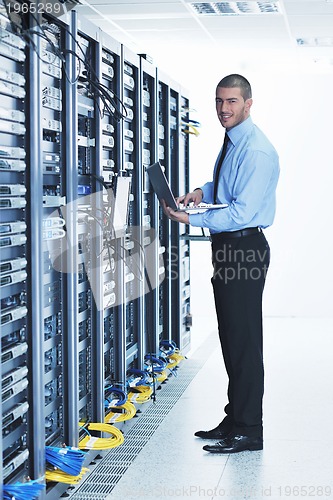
<point>232,81</point>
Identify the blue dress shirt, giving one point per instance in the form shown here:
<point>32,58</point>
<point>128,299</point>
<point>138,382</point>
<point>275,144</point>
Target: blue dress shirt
<point>247,182</point>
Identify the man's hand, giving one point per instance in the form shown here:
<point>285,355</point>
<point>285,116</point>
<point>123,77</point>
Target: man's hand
<point>195,197</point>
<point>176,216</point>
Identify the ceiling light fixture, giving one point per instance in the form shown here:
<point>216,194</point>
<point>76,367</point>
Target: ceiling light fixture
<point>321,41</point>
<point>235,8</point>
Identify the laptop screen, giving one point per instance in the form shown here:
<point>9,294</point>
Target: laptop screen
<point>161,185</point>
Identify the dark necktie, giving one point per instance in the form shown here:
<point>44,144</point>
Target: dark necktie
<point>219,165</point>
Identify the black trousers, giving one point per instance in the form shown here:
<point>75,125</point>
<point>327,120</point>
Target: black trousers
<point>240,267</point>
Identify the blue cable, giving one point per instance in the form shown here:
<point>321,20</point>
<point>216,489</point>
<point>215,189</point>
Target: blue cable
<point>67,459</point>
<point>141,373</point>
<point>172,346</point>
<point>22,491</point>
<point>164,357</point>
<point>157,364</point>
<point>122,396</point>
<point>192,122</point>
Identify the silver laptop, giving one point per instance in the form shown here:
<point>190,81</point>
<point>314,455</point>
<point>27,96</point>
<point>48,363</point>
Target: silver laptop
<point>163,192</point>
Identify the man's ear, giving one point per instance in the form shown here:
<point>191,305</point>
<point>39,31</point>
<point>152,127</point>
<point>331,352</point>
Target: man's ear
<point>248,104</point>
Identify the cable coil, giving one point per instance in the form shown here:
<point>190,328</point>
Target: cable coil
<point>115,416</point>
<point>58,476</point>
<point>90,442</point>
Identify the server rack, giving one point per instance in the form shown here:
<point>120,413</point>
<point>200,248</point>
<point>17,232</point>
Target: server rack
<point>184,257</point>
<point>89,231</point>
<point>149,210</point>
<point>111,165</point>
<point>164,224</point>
<point>85,297</point>
<point>50,172</point>
<point>133,352</point>
<point>16,334</point>
<point>180,251</point>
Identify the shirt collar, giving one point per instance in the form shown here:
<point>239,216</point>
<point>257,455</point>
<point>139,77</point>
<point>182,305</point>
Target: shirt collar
<point>236,133</point>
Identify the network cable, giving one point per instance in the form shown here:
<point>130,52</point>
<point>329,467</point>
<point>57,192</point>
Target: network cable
<point>58,476</point>
<point>152,363</point>
<point>140,394</point>
<point>188,128</point>
<point>140,378</point>
<point>161,377</point>
<point>90,442</point>
<point>121,396</point>
<point>29,490</point>
<point>111,102</point>
<point>67,459</point>
<point>140,389</point>
<point>168,347</point>
<point>174,360</point>
<point>25,33</point>
<point>114,416</point>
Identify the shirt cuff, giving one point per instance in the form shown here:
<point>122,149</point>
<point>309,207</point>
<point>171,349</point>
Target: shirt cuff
<point>196,220</point>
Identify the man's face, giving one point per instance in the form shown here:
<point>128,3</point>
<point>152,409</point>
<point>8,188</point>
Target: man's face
<point>231,108</point>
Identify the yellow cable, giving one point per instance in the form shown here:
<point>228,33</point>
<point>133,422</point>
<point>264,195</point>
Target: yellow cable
<point>140,393</point>
<point>129,413</point>
<point>175,359</point>
<point>191,129</point>
<point>162,376</point>
<point>59,476</point>
<point>97,443</point>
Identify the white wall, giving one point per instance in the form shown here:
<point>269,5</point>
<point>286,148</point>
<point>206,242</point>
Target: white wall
<point>293,105</point>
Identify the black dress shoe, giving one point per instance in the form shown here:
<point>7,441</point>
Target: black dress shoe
<point>217,433</point>
<point>234,443</point>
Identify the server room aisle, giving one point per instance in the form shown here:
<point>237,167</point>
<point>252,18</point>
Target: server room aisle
<point>298,437</point>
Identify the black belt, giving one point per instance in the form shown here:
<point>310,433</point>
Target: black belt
<point>235,234</point>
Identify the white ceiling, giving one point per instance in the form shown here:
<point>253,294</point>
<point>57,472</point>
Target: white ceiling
<point>142,25</point>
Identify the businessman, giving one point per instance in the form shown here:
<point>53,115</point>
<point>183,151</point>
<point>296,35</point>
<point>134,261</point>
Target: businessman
<point>245,176</point>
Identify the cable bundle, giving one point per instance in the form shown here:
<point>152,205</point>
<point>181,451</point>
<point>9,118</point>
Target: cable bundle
<point>67,459</point>
<point>140,378</point>
<point>112,104</point>
<point>175,359</point>
<point>90,442</point>
<point>22,491</point>
<point>115,416</point>
<point>140,384</point>
<point>140,393</point>
<point>162,376</point>
<point>170,352</point>
<point>167,347</point>
<point>154,364</point>
<point>112,393</point>
<point>189,126</point>
<point>58,476</point>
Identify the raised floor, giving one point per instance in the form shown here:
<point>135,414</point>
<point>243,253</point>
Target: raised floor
<point>161,459</point>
